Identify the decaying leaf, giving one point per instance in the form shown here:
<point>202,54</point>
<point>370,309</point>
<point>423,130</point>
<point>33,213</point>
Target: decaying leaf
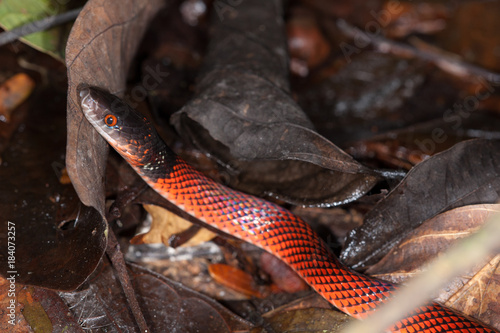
<point>309,320</point>
<point>307,45</point>
<point>100,49</point>
<point>237,279</point>
<point>479,296</point>
<point>466,174</point>
<point>471,292</point>
<point>243,115</point>
<point>13,92</point>
<point>406,147</point>
<point>165,224</point>
<point>57,242</point>
<point>473,38</point>
<point>432,238</point>
<point>10,310</point>
<point>34,309</point>
<point>167,306</point>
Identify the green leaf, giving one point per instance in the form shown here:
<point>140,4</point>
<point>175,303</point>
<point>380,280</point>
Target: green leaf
<point>16,13</point>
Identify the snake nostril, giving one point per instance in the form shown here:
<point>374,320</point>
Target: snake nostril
<point>83,92</point>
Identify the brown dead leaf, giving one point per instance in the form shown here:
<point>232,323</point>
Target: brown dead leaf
<point>100,49</point>
<point>166,224</point>
<point>474,292</point>
<point>433,237</point>
<point>411,18</point>
<point>308,320</point>
<point>10,310</point>
<point>34,312</point>
<point>244,116</point>
<point>306,43</point>
<point>472,32</point>
<point>58,241</point>
<point>466,174</point>
<point>167,306</point>
<point>405,147</point>
<point>479,296</point>
<point>35,309</point>
<point>13,92</point>
<point>237,279</point>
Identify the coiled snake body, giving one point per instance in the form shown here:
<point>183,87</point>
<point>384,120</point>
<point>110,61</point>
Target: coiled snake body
<point>252,219</point>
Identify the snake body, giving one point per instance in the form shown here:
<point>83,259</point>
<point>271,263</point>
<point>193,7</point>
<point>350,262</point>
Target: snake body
<point>253,220</point>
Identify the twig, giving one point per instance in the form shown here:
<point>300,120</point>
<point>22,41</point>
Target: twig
<point>116,258</point>
<point>446,62</point>
<point>41,25</point>
<point>461,257</point>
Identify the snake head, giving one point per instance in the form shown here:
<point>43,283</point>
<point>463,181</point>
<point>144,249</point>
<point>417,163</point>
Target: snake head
<point>125,129</point>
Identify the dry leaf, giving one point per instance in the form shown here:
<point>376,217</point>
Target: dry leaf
<point>433,237</point>
<point>237,279</point>
<point>465,174</point>
<point>474,292</point>
<point>479,296</point>
<point>58,241</point>
<point>244,115</point>
<point>13,92</point>
<point>309,321</point>
<point>100,49</point>
<point>166,224</point>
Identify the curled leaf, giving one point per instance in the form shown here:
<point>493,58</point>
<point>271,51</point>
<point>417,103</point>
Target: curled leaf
<point>166,224</point>
<point>473,292</point>
<point>243,115</point>
<point>167,305</point>
<point>100,49</point>
<point>432,238</point>
<point>466,174</point>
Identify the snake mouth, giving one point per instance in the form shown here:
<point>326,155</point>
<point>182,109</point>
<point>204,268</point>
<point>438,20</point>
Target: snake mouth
<point>96,102</point>
<point>82,90</point>
<point>94,112</point>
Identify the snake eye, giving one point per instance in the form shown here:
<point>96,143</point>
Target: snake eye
<point>110,120</point>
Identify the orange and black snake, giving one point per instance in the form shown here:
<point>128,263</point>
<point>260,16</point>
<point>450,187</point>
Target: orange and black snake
<point>253,220</point>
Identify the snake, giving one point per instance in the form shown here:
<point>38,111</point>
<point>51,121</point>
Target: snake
<point>264,224</point>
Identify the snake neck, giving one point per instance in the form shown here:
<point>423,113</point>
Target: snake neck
<point>154,160</point>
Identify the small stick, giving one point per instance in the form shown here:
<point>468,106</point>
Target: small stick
<point>447,63</point>
<point>116,258</point>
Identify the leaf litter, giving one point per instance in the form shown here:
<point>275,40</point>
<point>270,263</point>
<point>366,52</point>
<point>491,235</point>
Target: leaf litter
<point>100,55</point>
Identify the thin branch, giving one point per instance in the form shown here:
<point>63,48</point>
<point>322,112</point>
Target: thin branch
<point>418,291</point>
<point>448,63</point>
<point>41,25</point>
